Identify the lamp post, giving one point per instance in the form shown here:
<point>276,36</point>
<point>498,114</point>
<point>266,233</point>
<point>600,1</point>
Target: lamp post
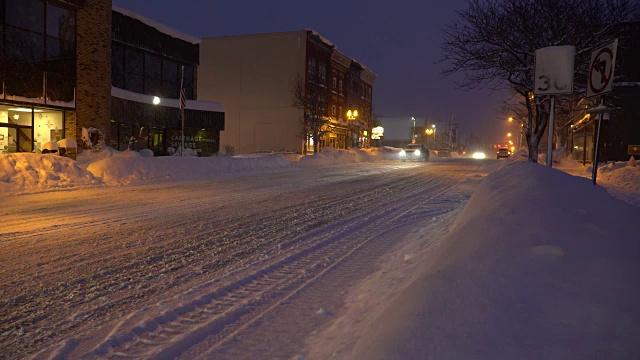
<point>435,145</point>
<point>413,132</point>
<point>351,115</point>
<point>510,120</point>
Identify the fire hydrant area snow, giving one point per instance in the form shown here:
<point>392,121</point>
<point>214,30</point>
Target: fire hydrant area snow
<point>344,255</point>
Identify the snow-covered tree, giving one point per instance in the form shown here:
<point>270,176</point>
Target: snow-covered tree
<point>493,43</point>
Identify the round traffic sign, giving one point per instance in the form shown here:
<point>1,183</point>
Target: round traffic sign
<point>601,71</point>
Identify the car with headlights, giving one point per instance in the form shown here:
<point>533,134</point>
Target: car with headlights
<point>414,152</point>
<point>503,153</point>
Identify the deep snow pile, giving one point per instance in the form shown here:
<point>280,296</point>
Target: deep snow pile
<point>129,166</point>
<point>539,265</point>
<point>26,172</point>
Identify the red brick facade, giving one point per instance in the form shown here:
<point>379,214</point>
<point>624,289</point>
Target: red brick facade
<point>93,88</point>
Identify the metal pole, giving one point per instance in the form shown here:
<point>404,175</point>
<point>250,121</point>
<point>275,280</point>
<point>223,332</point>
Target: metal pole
<point>181,110</point>
<point>551,128</point>
<point>594,168</point>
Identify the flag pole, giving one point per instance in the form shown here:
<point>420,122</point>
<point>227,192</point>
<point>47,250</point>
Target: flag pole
<point>182,109</point>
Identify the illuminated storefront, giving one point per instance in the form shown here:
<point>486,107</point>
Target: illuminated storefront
<point>26,129</point>
<point>37,72</point>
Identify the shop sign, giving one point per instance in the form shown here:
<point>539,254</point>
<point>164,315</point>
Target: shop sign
<point>377,133</point>
<point>204,142</point>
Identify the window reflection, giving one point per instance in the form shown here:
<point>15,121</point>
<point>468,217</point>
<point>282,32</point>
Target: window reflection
<point>26,14</point>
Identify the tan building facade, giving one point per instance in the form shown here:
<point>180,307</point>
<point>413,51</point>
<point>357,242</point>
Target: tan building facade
<point>254,76</point>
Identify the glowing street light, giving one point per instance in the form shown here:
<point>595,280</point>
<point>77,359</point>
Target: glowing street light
<point>510,119</point>
<point>156,100</point>
<point>352,115</point>
<point>413,133</point>
<point>508,134</point>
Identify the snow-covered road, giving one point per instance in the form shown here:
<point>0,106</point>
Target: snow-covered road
<point>193,268</point>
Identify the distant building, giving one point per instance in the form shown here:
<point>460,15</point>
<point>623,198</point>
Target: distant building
<point>254,75</point>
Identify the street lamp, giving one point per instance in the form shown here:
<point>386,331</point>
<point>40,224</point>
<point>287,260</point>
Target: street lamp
<point>413,132</point>
<point>351,115</point>
<point>434,135</point>
<point>508,134</point>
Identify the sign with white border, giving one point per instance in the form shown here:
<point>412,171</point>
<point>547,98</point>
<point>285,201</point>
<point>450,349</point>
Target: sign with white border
<point>601,69</point>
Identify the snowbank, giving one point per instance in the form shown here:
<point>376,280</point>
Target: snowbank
<point>329,156</point>
<point>130,167</point>
<point>27,172</point>
<point>539,265</point>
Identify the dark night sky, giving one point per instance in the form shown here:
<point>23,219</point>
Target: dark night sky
<point>397,40</point>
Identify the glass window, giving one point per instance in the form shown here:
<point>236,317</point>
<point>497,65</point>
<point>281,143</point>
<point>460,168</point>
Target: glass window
<point>47,126</point>
<point>117,65</point>
<point>16,115</point>
<point>61,76</point>
<point>60,49</point>
<point>25,80</point>
<point>26,14</point>
<point>169,79</point>
<point>134,70</point>
<point>61,23</point>
<point>152,75</point>
<point>24,46</point>
<point>188,81</point>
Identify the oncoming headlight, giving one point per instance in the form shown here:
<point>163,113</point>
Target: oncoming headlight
<point>417,152</point>
<point>479,155</point>
<point>403,153</point>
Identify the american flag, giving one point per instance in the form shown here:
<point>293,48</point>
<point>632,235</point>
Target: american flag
<point>183,99</point>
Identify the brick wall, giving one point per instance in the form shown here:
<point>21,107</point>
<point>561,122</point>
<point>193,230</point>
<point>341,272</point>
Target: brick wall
<point>93,89</point>
<point>70,124</point>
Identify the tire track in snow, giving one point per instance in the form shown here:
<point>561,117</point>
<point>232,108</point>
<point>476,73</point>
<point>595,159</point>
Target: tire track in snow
<point>216,317</point>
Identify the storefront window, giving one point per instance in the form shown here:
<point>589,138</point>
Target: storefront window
<point>47,126</point>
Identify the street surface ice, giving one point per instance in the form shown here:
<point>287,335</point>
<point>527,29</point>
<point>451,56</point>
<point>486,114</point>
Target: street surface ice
<point>324,256</point>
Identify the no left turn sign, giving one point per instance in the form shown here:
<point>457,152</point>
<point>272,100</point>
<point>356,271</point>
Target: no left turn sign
<point>601,69</point>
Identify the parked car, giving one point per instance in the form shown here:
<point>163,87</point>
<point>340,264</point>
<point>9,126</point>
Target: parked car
<point>415,152</point>
<point>503,153</point>
<point>444,153</point>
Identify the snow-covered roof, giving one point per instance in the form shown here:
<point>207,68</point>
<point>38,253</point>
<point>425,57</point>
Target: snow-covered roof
<point>174,103</point>
<point>158,26</point>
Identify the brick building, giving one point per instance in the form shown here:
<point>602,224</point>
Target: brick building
<point>54,70</point>
<point>253,75</point>
<point>56,62</point>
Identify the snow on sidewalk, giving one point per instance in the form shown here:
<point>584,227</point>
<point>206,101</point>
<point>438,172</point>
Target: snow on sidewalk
<point>539,265</point>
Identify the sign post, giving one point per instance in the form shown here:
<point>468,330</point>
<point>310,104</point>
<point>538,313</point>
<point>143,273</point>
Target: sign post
<point>554,76</point>
<point>601,71</point>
